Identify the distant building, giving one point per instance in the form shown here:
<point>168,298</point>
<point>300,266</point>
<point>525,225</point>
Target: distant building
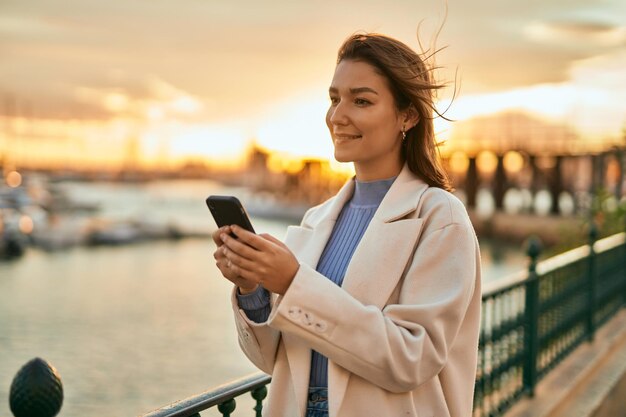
<point>311,184</point>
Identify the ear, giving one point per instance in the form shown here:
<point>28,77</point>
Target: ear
<point>411,117</point>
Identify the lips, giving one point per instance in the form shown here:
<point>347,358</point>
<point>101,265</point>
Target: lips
<point>343,136</point>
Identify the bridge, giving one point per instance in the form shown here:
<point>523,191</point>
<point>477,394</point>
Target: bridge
<point>516,151</point>
<point>574,174</point>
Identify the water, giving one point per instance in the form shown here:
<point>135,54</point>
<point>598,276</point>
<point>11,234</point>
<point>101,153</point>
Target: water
<point>136,327</point>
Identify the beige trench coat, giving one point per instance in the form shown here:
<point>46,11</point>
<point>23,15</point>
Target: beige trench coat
<point>401,334</point>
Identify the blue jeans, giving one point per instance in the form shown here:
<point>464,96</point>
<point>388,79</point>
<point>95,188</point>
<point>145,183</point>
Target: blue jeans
<point>317,405</point>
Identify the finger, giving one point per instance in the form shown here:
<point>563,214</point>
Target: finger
<point>271,239</point>
<point>237,275</point>
<point>238,261</point>
<point>250,238</point>
<point>234,269</point>
<point>227,263</point>
<point>219,253</point>
<point>249,275</point>
<point>226,273</point>
<point>216,235</point>
<point>222,264</point>
<point>239,248</point>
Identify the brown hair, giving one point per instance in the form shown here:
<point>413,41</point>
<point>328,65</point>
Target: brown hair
<point>411,84</point>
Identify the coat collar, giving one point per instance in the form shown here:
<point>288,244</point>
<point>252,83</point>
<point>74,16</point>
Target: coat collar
<point>402,198</point>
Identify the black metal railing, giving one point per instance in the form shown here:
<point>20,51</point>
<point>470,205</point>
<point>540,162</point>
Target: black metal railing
<point>535,319</point>
<point>530,322</point>
<point>223,397</point>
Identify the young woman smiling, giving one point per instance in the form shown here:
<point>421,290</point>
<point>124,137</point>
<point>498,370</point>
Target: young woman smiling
<point>371,307</point>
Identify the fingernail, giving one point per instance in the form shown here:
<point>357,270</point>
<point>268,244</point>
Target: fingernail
<point>223,236</point>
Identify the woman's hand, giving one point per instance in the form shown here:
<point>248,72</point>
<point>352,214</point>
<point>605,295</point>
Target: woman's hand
<point>225,266</point>
<point>260,259</point>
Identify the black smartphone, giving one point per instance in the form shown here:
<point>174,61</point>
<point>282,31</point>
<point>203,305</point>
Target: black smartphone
<point>227,210</point>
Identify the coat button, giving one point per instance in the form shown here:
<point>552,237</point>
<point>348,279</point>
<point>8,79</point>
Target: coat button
<point>294,312</point>
<point>320,326</point>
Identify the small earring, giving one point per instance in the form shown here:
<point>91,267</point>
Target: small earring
<point>403,134</point>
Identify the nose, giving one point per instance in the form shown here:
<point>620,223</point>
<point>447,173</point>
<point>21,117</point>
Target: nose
<point>337,115</point>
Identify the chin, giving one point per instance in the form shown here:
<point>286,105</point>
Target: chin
<point>342,157</point>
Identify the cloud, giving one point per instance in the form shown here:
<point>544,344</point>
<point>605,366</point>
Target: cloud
<point>144,99</point>
<point>504,45</point>
<point>602,71</point>
<point>234,59</point>
<point>589,33</point>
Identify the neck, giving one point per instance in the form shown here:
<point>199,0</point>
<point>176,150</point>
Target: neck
<point>366,174</point>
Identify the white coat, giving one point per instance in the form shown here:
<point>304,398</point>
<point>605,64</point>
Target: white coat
<point>400,334</point>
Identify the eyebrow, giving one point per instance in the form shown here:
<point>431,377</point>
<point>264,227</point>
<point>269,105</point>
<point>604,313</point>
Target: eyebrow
<point>354,91</point>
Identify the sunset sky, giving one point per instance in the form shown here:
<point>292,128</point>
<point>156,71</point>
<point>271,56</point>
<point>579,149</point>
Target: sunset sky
<point>85,81</point>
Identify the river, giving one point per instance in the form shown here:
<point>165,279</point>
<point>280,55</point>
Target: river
<point>132,328</point>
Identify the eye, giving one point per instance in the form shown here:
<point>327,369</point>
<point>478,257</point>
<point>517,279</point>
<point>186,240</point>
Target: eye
<point>334,100</point>
<point>361,102</point>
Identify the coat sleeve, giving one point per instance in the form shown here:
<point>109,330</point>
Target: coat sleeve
<point>258,341</point>
<point>404,344</point>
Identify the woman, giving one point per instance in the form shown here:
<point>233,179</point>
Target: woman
<point>371,306</point>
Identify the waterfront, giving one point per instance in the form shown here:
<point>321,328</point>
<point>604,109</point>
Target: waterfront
<point>131,328</point>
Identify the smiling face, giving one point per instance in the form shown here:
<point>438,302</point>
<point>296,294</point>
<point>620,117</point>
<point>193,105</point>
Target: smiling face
<point>364,122</point>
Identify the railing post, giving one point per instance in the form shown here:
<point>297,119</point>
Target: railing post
<point>531,319</point>
<point>259,395</point>
<point>227,407</point>
<point>624,263</point>
<point>591,283</point>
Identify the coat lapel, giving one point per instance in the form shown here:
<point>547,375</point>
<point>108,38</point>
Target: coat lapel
<point>379,261</point>
<point>307,243</point>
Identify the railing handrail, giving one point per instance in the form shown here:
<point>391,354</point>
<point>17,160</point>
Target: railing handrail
<point>212,397</point>
<point>610,242</point>
<point>493,287</point>
<point>552,263</point>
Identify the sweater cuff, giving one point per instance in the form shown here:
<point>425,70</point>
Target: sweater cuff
<point>255,300</point>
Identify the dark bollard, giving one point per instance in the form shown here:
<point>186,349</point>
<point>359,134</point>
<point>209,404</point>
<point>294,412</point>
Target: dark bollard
<point>36,390</point>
